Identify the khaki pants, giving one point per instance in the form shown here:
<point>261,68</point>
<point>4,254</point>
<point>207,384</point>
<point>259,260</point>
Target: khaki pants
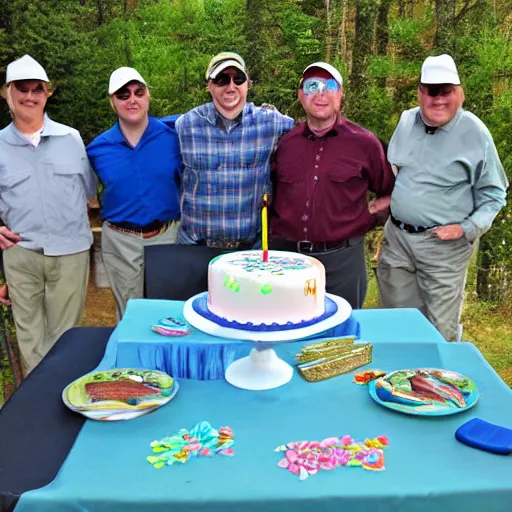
<point>48,298</point>
<point>123,256</point>
<point>420,271</point>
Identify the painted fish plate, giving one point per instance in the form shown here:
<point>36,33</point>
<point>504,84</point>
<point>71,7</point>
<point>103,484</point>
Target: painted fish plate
<point>120,393</point>
<point>425,392</point>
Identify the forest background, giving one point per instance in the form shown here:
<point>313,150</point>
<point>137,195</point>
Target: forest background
<point>378,45</point>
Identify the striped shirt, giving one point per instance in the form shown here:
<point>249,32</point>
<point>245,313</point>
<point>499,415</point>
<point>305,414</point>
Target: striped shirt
<point>226,171</point>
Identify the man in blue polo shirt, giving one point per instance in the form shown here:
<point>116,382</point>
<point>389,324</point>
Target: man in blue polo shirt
<point>139,164</point>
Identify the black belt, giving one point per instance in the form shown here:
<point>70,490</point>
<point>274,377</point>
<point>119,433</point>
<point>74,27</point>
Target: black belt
<point>148,228</point>
<point>307,247</point>
<point>409,227</point>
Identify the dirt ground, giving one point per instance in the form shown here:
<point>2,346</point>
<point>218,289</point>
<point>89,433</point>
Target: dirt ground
<point>99,306</point>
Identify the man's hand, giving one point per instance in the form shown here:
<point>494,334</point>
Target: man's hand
<point>449,232</point>
<point>379,208</point>
<point>8,238</point>
<point>3,295</point>
<point>379,205</point>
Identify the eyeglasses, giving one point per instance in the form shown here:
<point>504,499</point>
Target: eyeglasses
<point>316,85</point>
<point>223,79</point>
<point>25,88</point>
<point>125,94</point>
<point>437,89</point>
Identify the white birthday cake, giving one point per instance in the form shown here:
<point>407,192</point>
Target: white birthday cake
<point>289,287</point>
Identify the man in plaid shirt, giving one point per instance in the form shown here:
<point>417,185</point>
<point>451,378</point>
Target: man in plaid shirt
<point>226,147</point>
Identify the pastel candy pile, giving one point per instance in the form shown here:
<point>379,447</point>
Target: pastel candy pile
<point>304,458</point>
<point>202,440</point>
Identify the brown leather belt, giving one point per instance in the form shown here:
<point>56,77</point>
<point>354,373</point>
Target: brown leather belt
<point>149,231</point>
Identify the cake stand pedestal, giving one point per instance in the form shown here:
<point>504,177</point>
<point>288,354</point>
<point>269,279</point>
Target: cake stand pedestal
<point>261,370</point>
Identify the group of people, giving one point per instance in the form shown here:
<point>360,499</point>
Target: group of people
<point>199,179</point>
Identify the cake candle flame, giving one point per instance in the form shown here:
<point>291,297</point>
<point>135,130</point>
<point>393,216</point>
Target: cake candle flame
<point>264,227</point>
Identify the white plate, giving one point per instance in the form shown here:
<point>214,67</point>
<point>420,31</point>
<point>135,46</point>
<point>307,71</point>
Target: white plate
<point>110,412</point>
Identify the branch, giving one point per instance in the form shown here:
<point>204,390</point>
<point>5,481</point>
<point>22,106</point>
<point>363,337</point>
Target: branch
<point>468,6</point>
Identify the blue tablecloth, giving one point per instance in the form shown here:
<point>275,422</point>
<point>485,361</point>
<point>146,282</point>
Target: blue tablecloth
<point>427,469</point>
<point>195,356</point>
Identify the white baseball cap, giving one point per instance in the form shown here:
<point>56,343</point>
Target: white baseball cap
<point>326,67</point>
<point>25,68</point>
<point>121,77</point>
<point>439,70</point>
<point>223,61</point>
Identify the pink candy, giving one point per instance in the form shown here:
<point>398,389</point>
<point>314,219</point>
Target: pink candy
<point>304,458</point>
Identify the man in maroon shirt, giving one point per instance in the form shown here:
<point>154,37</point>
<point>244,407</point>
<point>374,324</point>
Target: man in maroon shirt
<point>322,172</point>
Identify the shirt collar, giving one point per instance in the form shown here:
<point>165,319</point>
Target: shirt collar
<point>50,128</point>
<point>449,126</point>
<point>115,136</point>
<point>214,118</point>
<point>333,132</point>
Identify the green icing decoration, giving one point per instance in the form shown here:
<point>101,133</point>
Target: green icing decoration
<point>231,283</point>
<point>266,289</point>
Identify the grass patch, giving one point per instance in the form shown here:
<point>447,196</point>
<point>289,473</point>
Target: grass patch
<point>486,325</point>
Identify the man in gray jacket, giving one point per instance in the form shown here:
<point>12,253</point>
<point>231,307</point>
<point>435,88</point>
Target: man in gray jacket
<point>45,180</point>
<point>449,188</point>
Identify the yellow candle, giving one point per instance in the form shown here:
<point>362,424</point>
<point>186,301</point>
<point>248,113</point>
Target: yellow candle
<point>264,223</point>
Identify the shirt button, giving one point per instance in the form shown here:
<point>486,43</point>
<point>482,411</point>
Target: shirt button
<point>316,177</point>
<point>316,166</point>
<point>305,217</point>
<point>308,204</point>
<point>305,230</point>
<point>322,148</point>
<point>318,158</point>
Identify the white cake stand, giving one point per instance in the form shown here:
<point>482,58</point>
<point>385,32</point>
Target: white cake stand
<point>263,369</point>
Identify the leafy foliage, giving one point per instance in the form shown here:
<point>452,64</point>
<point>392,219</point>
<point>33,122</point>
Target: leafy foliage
<point>80,42</point>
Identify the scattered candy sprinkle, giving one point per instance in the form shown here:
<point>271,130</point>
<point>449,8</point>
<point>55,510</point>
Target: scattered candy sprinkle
<point>202,440</point>
<point>304,458</point>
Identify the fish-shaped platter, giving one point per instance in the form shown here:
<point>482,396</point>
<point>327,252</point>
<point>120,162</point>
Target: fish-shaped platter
<point>120,393</point>
<point>425,391</point>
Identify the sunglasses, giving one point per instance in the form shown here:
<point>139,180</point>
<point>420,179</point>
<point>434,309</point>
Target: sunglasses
<point>316,85</point>
<point>437,90</point>
<point>223,79</point>
<point>25,88</point>
<point>125,94</point>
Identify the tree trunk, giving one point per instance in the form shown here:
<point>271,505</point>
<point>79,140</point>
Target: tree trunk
<point>382,33</point>
<point>254,31</point>
<point>101,14</point>
<point>382,27</point>
<point>333,10</point>
<point>445,17</point>
<point>343,33</point>
<point>362,49</point>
